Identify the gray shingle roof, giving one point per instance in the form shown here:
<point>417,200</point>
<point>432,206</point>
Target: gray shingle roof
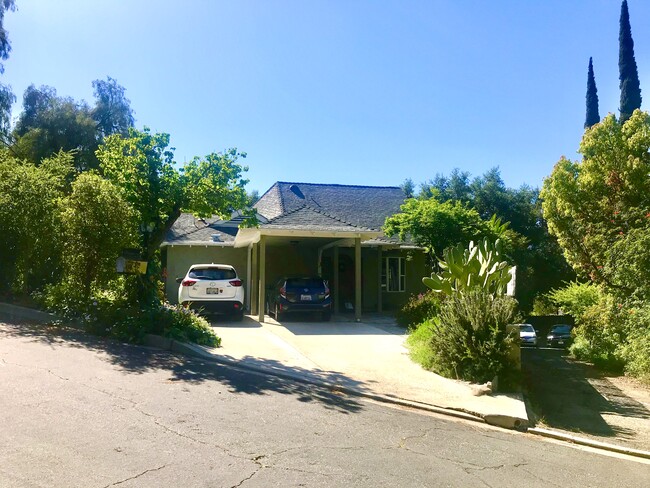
<point>188,230</point>
<point>361,206</point>
<point>301,206</point>
<point>309,218</point>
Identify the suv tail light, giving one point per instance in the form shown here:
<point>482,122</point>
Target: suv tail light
<point>188,282</point>
<point>235,282</point>
<point>327,291</point>
<point>283,292</point>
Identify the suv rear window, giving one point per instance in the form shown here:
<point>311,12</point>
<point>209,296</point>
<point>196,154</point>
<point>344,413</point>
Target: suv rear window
<point>305,283</point>
<point>561,329</point>
<point>212,274</point>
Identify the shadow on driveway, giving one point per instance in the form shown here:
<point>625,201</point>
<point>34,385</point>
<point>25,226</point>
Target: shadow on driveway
<point>569,395</point>
<point>138,360</point>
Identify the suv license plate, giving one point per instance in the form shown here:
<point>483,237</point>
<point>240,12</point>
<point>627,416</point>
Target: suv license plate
<point>212,291</point>
<point>560,342</point>
<point>305,298</point>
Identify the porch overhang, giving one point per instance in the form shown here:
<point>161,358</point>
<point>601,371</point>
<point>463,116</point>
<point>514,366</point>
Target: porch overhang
<point>248,236</point>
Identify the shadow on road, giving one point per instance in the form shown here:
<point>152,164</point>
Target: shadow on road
<point>573,396</point>
<point>139,360</point>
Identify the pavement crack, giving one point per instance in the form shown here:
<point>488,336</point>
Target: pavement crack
<point>37,368</point>
<point>136,476</point>
<point>248,477</point>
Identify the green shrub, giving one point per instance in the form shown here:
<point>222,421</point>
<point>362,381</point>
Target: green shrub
<point>419,343</point>
<point>575,298</point>
<point>469,341</point>
<point>542,305</point>
<point>418,309</point>
<point>111,313</point>
<point>185,325</point>
<point>636,351</point>
<point>600,332</point>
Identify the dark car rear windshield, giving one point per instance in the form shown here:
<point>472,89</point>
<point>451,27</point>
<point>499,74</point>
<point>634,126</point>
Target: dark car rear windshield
<point>213,274</point>
<point>561,329</point>
<point>305,283</point>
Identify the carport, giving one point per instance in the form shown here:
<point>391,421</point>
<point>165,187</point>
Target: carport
<point>300,251</point>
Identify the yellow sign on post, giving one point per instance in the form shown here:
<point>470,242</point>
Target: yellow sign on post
<point>130,266</point>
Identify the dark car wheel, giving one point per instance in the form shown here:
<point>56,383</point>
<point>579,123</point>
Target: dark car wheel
<point>327,316</point>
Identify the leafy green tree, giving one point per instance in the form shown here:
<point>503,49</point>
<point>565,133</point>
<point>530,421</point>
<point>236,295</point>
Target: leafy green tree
<point>7,98</point>
<point>30,244</point>
<point>599,207</point>
<point>49,124</point>
<point>142,166</point>
<point>628,74</point>
<point>575,298</point>
<point>408,187</point>
<point>540,263</point>
<point>454,187</point>
<point>97,224</point>
<point>437,225</point>
<point>112,111</point>
<point>5,45</point>
<point>593,117</point>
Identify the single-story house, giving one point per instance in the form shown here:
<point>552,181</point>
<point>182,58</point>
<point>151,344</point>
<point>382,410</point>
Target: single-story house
<point>307,229</point>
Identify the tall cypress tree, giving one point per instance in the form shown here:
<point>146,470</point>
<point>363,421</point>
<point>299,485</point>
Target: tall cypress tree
<point>628,75</point>
<point>593,117</point>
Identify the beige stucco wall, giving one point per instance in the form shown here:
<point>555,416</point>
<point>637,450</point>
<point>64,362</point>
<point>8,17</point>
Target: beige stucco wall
<point>416,269</point>
<point>290,260</point>
<point>180,258</point>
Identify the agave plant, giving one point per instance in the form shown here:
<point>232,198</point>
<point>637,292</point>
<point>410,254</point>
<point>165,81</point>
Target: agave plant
<point>479,266</point>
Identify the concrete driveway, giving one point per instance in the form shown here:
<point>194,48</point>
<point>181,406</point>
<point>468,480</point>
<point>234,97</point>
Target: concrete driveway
<point>369,357</point>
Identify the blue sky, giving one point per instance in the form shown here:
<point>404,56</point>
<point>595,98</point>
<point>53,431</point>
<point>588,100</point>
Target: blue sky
<point>351,92</point>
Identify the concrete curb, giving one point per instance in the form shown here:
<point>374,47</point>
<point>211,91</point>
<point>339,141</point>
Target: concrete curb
<point>554,434</point>
<point>18,312</point>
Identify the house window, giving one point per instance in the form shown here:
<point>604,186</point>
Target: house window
<point>393,274</point>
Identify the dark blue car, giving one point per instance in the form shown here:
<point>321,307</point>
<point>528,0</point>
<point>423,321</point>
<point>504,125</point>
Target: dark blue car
<point>293,295</point>
<point>559,336</point>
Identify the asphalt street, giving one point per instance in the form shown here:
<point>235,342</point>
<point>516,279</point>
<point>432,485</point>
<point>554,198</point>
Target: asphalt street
<point>81,411</point>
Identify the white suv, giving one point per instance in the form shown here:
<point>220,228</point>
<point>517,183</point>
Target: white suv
<point>213,288</point>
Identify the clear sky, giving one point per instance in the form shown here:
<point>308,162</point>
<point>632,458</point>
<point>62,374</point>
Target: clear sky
<point>349,91</point>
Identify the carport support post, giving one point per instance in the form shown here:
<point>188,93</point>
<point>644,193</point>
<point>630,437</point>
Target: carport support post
<point>379,269</point>
<point>357,279</point>
<point>262,294</point>
<point>253,283</point>
<point>336,280</point>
